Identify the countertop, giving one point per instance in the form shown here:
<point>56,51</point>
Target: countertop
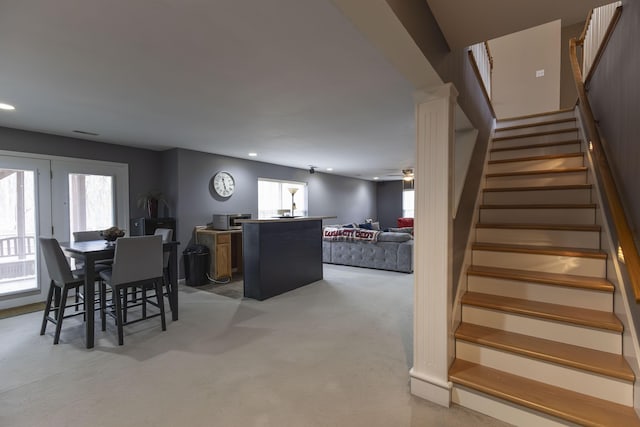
<point>285,219</point>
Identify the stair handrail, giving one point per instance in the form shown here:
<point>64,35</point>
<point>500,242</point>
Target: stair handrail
<point>627,249</point>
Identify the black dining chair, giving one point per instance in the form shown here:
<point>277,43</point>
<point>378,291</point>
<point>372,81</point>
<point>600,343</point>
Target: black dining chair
<point>137,263</point>
<point>167,235</point>
<point>62,280</point>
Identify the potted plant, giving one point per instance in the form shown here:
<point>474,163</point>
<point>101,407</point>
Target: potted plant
<point>150,201</point>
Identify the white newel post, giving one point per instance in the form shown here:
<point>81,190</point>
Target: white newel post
<point>432,346</point>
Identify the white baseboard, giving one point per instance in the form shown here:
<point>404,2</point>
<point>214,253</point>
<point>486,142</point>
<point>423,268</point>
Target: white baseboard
<point>433,390</point>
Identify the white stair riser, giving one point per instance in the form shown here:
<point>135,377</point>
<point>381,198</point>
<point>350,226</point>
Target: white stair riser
<point>576,196</point>
<point>554,294</point>
<point>582,216</point>
<point>532,120</point>
<point>537,151</point>
<point>562,238</point>
<point>537,128</point>
<point>535,262</point>
<point>598,339</point>
<point>537,180</point>
<point>598,386</point>
<point>503,410</point>
<point>534,139</point>
<point>536,165</point>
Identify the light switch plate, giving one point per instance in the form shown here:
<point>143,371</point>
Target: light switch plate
<point>539,73</point>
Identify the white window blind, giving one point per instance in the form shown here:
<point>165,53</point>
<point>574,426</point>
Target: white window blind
<point>408,202</point>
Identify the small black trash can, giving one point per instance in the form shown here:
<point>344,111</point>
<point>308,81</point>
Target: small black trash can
<point>196,265</point>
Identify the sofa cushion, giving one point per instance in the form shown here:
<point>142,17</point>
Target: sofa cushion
<point>394,237</point>
<point>406,230</point>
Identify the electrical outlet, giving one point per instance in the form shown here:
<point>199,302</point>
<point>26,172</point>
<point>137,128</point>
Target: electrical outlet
<point>539,73</point>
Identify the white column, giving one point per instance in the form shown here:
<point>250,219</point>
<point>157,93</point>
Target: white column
<point>433,230</point>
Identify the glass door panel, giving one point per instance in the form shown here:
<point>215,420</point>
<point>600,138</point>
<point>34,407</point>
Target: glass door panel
<point>26,206</point>
<point>17,231</point>
<point>91,202</point>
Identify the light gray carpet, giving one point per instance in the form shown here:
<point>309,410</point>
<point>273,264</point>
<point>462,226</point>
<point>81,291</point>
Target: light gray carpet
<point>233,289</point>
<point>334,353</point>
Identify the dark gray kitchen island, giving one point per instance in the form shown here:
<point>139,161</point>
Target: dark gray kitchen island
<point>280,255</point>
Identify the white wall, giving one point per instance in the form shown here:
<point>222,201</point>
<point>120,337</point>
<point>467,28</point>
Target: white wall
<point>516,58</point>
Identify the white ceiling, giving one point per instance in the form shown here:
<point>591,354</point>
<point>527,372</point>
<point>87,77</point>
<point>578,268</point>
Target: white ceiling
<point>294,80</point>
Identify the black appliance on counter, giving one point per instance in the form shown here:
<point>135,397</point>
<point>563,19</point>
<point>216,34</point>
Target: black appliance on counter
<point>227,221</point>
<point>147,226</point>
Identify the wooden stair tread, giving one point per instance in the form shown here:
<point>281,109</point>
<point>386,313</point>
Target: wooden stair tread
<point>566,404</point>
<point>546,123</point>
<point>560,313</point>
<point>531,158</point>
<point>530,116</point>
<point>538,172</point>
<point>541,206</point>
<point>540,250</point>
<point>562,227</point>
<point>533,134</point>
<point>587,359</point>
<point>569,280</point>
<point>541,145</point>
<point>541,188</point>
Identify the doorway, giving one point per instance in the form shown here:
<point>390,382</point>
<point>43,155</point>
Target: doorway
<point>51,196</point>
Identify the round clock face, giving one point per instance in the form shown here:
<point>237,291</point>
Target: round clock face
<point>223,184</point>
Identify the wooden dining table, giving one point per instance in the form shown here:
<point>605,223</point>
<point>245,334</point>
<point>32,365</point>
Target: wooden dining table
<point>97,250</point>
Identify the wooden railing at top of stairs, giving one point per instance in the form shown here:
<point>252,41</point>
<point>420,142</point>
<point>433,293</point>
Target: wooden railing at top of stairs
<point>482,65</point>
<point>625,237</point>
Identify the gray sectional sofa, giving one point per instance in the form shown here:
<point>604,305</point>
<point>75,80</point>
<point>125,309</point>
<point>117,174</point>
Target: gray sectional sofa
<point>392,251</point>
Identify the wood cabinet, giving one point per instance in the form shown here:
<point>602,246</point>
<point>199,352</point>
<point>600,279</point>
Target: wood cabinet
<point>226,251</point>
<point>223,255</point>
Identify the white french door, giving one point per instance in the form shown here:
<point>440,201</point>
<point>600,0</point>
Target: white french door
<point>51,196</point>
<point>25,215</point>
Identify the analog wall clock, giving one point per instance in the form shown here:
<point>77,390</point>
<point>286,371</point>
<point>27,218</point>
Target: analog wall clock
<point>223,184</point>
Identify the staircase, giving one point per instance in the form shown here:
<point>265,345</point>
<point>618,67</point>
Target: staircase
<point>539,343</point>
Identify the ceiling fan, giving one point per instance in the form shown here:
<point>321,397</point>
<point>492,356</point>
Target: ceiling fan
<point>406,175</point>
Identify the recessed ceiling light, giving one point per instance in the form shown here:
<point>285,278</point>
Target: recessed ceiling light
<point>329,169</point>
<point>6,107</point>
<point>253,154</point>
<point>376,178</point>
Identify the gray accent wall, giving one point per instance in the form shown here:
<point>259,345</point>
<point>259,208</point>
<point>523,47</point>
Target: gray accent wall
<point>183,176</point>
<point>188,173</point>
<point>389,203</point>
<point>614,94</point>
<point>144,171</point>
<point>454,67</point>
